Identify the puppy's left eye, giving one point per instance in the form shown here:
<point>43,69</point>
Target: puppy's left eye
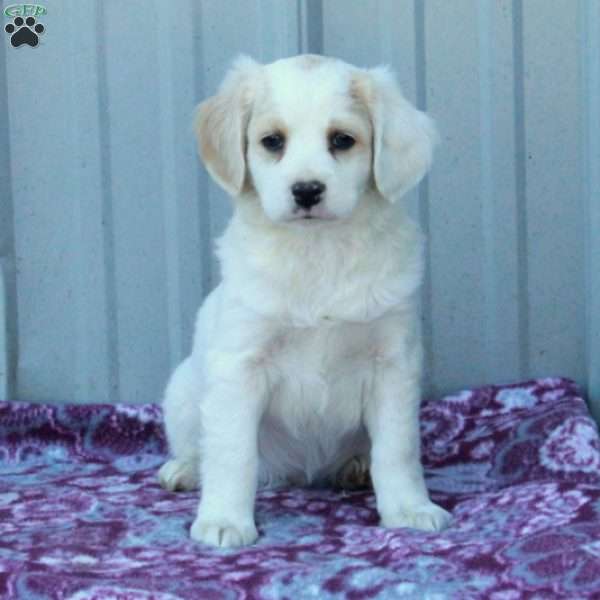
<point>341,141</point>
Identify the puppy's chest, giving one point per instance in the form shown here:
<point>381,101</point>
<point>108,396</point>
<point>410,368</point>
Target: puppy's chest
<point>320,378</point>
<point>323,353</point>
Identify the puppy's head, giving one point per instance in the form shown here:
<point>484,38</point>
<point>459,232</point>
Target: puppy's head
<point>307,136</point>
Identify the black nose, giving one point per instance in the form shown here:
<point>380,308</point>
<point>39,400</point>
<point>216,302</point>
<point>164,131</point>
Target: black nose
<point>307,193</point>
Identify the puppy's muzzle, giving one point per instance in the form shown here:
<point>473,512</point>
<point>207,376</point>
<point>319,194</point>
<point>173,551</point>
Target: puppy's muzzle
<point>308,193</point>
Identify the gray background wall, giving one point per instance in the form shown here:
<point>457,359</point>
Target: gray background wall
<point>107,218</point>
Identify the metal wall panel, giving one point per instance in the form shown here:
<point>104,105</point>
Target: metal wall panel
<point>107,220</point>
<point>589,19</point>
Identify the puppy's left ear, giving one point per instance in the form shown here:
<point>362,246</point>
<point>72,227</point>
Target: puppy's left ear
<point>403,137</point>
<point>221,123</point>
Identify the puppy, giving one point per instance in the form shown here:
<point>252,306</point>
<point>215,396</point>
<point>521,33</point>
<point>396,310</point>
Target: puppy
<point>306,360</point>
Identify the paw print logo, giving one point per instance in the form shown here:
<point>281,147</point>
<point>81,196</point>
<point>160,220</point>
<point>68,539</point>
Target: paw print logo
<point>24,31</point>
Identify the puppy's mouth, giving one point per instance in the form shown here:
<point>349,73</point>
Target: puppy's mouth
<point>311,215</point>
<point>308,219</point>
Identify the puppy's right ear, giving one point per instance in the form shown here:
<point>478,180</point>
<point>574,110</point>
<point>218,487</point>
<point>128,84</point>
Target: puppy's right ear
<point>220,126</point>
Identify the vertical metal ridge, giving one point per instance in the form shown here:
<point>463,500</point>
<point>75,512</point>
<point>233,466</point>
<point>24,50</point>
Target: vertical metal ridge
<point>8,328</point>
<point>310,26</point>
<point>521,188</point>
<point>278,29</point>
<point>385,18</point>
<point>299,26</point>
<point>206,217</point>
<point>5,392</point>
<point>6,235</point>
<point>108,241</point>
<point>590,76</point>
<point>8,301</point>
<point>168,178</point>
<point>423,192</point>
<point>86,342</point>
<point>488,215</point>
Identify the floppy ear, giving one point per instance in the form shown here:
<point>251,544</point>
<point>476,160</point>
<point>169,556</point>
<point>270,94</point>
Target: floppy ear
<point>220,126</point>
<point>403,137</point>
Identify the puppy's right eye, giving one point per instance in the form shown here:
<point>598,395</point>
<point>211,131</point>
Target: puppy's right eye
<point>273,142</point>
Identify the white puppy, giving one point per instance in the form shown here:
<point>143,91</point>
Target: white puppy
<point>306,360</point>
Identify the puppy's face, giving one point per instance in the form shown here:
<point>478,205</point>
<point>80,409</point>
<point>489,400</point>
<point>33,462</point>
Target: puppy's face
<point>307,136</point>
<point>309,142</point>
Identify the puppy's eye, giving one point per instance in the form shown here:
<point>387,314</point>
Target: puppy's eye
<point>341,141</point>
<point>273,142</point>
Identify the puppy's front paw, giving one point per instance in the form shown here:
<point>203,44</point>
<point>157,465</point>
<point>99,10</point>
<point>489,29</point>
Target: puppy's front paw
<point>223,534</point>
<point>426,517</point>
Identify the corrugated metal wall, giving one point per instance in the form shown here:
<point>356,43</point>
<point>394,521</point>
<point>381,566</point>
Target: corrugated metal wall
<point>107,219</point>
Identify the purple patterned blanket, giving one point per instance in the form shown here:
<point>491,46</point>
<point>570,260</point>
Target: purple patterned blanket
<point>82,516</point>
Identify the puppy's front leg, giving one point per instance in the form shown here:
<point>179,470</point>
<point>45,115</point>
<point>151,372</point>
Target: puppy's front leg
<point>393,422</point>
<point>231,413</point>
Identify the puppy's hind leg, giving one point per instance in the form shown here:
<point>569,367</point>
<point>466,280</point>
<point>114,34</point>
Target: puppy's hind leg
<point>182,424</point>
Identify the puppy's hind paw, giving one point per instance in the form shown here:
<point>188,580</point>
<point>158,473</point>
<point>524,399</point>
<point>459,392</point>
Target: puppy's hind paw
<point>177,475</point>
<point>426,517</point>
<point>223,534</point>
<point>354,475</point>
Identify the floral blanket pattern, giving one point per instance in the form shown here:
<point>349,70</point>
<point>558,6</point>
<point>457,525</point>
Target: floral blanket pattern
<point>82,515</point>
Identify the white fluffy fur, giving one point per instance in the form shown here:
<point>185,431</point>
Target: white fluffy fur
<point>308,353</point>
